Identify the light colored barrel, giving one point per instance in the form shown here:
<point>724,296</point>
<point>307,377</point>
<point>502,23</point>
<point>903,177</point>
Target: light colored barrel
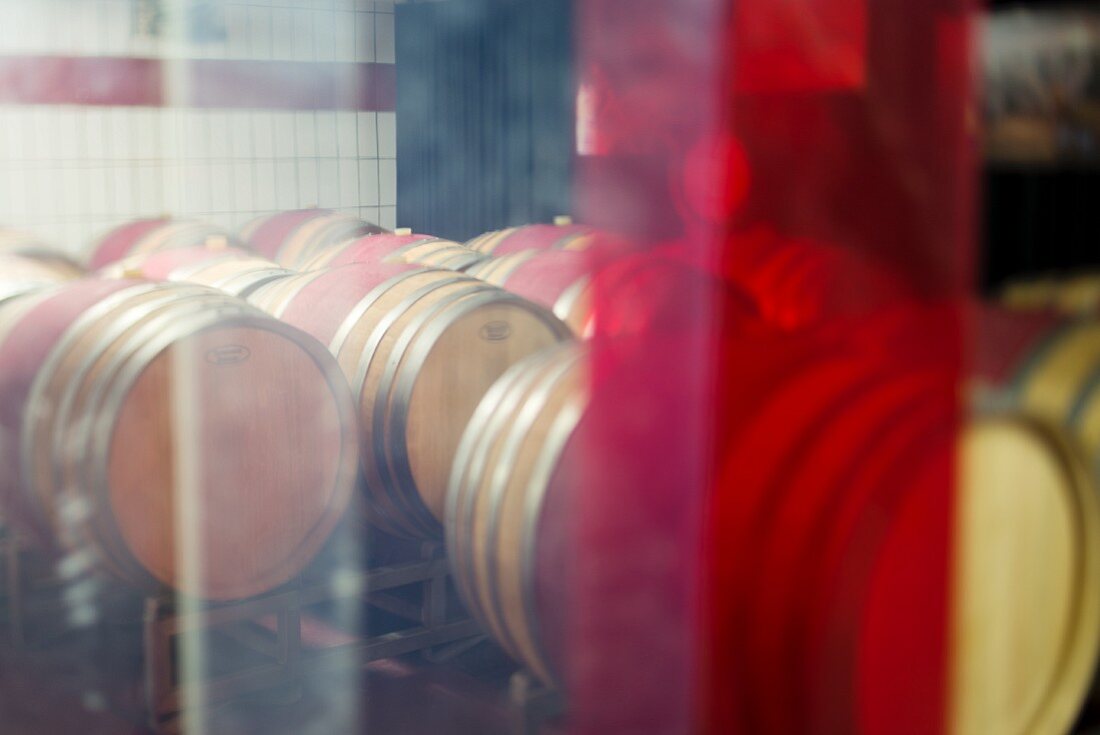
<point>153,235</point>
<point>422,250</point>
<point>163,458</point>
<point>236,276</point>
<point>294,238</point>
<point>1026,618</point>
<point>1056,376</point>
<point>558,279</point>
<point>16,242</point>
<point>620,294</point>
<point>420,348</point>
<point>1072,294</point>
<point>234,270</point>
<point>265,234</point>
<point>566,236</point>
<point>21,274</point>
<point>507,470</point>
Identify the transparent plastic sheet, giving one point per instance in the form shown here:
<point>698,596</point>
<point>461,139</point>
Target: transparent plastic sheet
<point>801,411</point>
<point>757,513</point>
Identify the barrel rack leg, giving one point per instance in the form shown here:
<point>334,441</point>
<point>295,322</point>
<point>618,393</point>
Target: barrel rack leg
<point>434,612</point>
<point>167,628</point>
<point>434,631</point>
<point>433,628</point>
<point>20,581</point>
<point>533,704</point>
<point>13,588</point>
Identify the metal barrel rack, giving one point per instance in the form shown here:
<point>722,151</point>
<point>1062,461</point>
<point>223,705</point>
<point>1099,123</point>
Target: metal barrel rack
<point>269,655</point>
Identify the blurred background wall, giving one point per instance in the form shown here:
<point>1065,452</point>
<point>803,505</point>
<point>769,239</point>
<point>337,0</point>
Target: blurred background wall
<point>117,109</point>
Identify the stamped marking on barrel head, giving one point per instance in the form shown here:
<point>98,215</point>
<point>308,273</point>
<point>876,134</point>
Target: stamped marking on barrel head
<point>496,331</point>
<point>228,355</point>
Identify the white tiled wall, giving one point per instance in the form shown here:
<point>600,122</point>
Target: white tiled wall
<point>70,172</point>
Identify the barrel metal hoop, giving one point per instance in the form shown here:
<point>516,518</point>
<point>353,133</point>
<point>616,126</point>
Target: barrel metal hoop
<point>565,242</point>
<point>560,432</point>
<point>361,308</point>
<point>395,481</point>
<point>101,414</point>
<point>418,340</point>
<point>489,418</point>
<point>303,280</point>
<point>1017,384</point>
<point>296,230</point>
<point>253,280</point>
<point>98,418</point>
<point>366,359</point>
<point>517,432</point>
<point>568,299</point>
<point>36,395</point>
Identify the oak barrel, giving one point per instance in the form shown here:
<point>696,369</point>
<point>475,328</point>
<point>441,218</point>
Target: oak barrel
<point>233,270</point>
<point>151,235</point>
<point>419,347</point>
<point>1047,365</point>
<point>173,436</point>
<point>294,238</point>
<point>30,246</point>
<point>534,237</point>
<point>558,279</point>
<point>616,293</point>
<point>1071,294</point>
<point>832,551</point>
<point>20,274</point>
<point>511,464</point>
<point>415,249</point>
<point>1026,618</point>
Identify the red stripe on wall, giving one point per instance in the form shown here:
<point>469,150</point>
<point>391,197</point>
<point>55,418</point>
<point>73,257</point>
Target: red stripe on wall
<point>204,83</point>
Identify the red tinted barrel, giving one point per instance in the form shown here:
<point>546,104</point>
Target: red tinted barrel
<point>233,270</point>
<point>560,280</point>
<point>831,560</point>
<point>266,233</point>
<point>534,237</point>
<point>637,293</point>
<point>422,250</point>
<point>146,236</point>
<point>293,238</point>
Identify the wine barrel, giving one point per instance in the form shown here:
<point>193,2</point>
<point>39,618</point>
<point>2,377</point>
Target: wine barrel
<point>236,276</point>
<point>265,234</point>
<point>558,279</point>
<point>830,540</point>
<point>799,283</point>
<point>1073,294</point>
<point>21,274</point>
<point>1047,365</point>
<point>146,439</point>
<point>294,238</point>
<point>152,235</point>
<point>507,479</point>
<point>29,246</point>
<point>419,347</point>
<point>233,270</point>
<point>1025,641</point>
<point>566,236</point>
<point>636,293</point>
<point>425,250</point>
